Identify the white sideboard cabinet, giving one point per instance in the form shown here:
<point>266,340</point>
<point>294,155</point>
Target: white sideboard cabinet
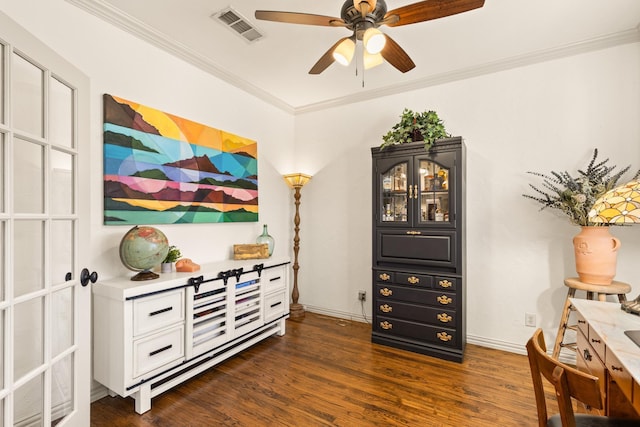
<point>150,336</point>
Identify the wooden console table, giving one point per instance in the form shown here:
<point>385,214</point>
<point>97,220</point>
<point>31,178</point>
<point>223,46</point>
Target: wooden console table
<point>605,351</point>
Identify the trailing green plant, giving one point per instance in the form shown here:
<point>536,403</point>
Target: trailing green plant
<point>173,255</point>
<point>425,126</point>
<point>576,195</point>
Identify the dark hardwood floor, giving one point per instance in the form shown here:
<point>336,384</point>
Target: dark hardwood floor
<point>326,372</point>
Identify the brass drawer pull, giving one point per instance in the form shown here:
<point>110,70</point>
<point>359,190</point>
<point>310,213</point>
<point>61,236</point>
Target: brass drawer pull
<point>584,322</point>
<point>443,299</point>
<point>415,191</point>
<point>386,308</point>
<point>386,292</point>
<point>444,317</point>
<point>445,284</point>
<point>413,233</point>
<point>443,336</point>
<point>615,368</point>
<point>384,276</point>
<point>413,280</point>
<point>410,192</point>
<point>593,340</point>
<point>386,325</point>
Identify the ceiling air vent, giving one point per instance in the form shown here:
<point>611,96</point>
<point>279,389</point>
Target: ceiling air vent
<point>237,23</point>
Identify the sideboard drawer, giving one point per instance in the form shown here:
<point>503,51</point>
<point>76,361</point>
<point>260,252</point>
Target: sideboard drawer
<point>157,351</point>
<point>274,306</point>
<point>157,311</point>
<point>274,278</point>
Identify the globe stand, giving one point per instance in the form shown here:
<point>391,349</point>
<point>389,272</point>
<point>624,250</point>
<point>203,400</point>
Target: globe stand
<point>145,275</point>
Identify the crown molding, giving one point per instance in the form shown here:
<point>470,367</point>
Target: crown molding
<point>131,25</point>
<point>603,42</point>
<point>137,28</point>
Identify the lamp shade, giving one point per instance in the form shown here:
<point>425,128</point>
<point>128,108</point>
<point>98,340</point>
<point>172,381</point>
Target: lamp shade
<point>373,40</point>
<point>620,205</point>
<point>343,53</point>
<point>297,179</point>
<point>372,60</point>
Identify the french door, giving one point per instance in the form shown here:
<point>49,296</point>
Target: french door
<point>44,310</point>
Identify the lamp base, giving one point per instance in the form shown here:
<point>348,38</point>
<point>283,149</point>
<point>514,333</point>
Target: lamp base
<point>296,311</point>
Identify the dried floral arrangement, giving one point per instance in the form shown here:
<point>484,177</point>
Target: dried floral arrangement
<point>575,195</point>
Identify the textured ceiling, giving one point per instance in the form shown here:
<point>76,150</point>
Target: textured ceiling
<point>502,34</point>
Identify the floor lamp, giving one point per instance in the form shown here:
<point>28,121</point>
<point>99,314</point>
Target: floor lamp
<point>296,181</point>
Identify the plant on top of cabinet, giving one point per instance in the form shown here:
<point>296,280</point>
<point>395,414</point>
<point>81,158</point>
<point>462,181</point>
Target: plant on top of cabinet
<point>412,127</point>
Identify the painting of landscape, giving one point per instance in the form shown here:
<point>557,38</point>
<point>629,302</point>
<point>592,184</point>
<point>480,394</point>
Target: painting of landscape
<point>163,169</point>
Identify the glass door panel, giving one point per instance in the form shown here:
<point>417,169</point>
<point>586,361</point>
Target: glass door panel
<point>2,168</point>
<point>28,403</point>
<point>62,192</point>
<point>394,194</point>
<point>28,177</point>
<point>434,191</point>
<point>62,324</point>
<point>27,88</point>
<point>60,113</point>
<point>61,389</point>
<point>28,257</point>
<point>61,244</point>
<point>28,343</point>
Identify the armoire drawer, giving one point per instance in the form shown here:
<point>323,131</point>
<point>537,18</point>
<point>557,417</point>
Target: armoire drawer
<point>419,331</point>
<point>416,295</point>
<point>417,313</point>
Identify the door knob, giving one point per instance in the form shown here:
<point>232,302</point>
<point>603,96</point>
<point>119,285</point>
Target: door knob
<point>86,277</point>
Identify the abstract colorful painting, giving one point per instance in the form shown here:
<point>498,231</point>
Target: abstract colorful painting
<point>163,169</point>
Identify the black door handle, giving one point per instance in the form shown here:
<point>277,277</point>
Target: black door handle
<point>86,277</point>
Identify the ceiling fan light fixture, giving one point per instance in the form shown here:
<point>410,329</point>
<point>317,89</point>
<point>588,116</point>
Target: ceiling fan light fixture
<point>371,60</point>
<point>373,40</point>
<point>371,4</point>
<point>343,53</point>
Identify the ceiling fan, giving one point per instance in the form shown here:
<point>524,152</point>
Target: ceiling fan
<point>363,17</point>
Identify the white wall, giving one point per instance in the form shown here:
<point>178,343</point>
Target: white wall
<point>122,65</point>
<point>543,117</point>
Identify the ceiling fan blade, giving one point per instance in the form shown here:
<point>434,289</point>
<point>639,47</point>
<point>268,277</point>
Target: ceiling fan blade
<point>299,18</point>
<point>396,56</point>
<point>430,9</point>
<point>326,59</point>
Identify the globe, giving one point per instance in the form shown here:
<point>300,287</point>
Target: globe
<point>143,248</point>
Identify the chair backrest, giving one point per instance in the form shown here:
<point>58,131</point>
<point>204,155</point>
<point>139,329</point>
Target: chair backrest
<point>567,381</point>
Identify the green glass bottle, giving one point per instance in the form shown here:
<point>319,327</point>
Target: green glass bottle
<point>266,238</point>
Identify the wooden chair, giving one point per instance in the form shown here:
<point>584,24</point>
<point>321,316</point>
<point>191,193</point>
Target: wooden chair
<point>568,383</point>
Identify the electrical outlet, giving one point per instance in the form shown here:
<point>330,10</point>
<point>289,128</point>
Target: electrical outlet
<point>530,319</point>
<point>362,295</point>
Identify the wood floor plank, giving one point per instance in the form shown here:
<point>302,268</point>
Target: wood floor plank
<point>326,372</point>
